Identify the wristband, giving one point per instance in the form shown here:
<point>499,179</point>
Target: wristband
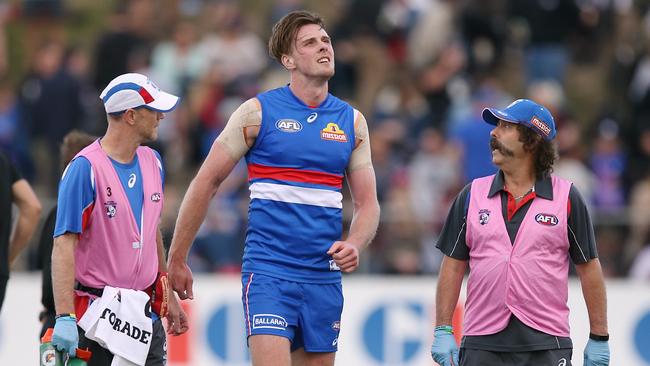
<point>63,315</point>
<point>599,338</point>
<point>445,328</point>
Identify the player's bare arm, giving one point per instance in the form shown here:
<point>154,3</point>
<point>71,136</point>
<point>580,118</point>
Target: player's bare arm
<point>231,145</point>
<point>63,272</point>
<point>593,290</point>
<point>365,216</point>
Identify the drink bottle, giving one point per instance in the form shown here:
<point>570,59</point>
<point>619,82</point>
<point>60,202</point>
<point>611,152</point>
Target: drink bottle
<point>51,357</point>
<point>81,358</point>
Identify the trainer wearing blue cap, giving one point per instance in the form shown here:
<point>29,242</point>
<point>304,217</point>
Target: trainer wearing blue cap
<point>517,230</point>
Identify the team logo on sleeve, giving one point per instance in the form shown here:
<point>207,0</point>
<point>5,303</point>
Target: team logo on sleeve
<point>111,208</point>
<point>547,219</point>
<point>155,197</point>
<point>333,132</point>
<point>483,216</point>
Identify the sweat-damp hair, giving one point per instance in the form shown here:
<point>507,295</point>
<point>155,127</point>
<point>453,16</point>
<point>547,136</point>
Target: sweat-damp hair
<point>284,31</point>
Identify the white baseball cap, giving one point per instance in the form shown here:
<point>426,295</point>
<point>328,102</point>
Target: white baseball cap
<point>136,90</point>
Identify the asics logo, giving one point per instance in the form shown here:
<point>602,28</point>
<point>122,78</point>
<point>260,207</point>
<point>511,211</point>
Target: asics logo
<point>132,179</point>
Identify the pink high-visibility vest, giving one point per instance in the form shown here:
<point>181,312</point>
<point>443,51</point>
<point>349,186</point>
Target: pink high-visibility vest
<point>528,279</point>
<point>111,250</point>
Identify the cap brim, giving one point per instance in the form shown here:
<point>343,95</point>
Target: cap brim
<point>493,116</point>
<point>164,102</point>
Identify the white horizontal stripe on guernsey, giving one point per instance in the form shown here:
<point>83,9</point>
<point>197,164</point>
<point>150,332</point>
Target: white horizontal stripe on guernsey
<point>292,194</point>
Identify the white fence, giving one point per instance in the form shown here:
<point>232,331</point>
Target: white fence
<point>386,321</point>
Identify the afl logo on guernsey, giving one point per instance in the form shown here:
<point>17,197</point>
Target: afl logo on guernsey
<point>333,132</point>
<point>546,219</point>
<point>288,125</point>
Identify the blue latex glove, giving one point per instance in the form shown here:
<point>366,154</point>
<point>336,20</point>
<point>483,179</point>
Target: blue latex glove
<point>597,353</point>
<point>65,337</point>
<point>444,349</point>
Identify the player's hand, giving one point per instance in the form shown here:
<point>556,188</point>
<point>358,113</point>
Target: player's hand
<point>177,323</point>
<point>596,353</point>
<point>444,349</point>
<point>65,336</point>
<point>179,276</point>
<point>345,255</point>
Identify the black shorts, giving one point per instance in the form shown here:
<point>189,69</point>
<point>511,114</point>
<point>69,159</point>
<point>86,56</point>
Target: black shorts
<point>102,357</point>
<point>551,357</point>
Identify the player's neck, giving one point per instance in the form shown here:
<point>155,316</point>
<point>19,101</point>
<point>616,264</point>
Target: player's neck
<point>312,92</point>
<point>520,178</point>
<point>120,147</point>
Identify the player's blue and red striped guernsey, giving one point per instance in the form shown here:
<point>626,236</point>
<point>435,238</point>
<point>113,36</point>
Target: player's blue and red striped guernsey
<point>295,172</point>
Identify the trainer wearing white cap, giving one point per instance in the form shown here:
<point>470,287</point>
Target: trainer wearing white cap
<point>130,91</point>
<point>107,234</point>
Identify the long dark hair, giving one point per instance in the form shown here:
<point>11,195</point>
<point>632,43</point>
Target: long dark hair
<point>544,151</point>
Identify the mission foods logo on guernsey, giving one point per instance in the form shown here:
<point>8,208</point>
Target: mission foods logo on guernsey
<point>288,125</point>
<point>269,321</point>
<point>546,219</point>
<point>333,132</point>
<point>543,127</point>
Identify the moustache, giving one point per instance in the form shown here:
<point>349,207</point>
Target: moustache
<point>496,145</point>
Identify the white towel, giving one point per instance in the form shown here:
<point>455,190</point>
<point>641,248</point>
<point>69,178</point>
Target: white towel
<point>118,322</point>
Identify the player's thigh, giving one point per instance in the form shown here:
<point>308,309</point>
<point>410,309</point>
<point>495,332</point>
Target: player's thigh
<point>271,306</point>
<point>301,358</point>
<point>320,318</point>
<point>269,350</point>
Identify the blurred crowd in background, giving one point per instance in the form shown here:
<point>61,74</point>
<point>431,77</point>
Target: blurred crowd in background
<point>421,71</point>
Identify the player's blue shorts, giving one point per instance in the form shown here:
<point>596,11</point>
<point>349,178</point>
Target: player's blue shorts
<point>308,314</point>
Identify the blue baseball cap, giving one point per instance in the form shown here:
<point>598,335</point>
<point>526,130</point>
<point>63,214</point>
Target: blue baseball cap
<point>527,113</point>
